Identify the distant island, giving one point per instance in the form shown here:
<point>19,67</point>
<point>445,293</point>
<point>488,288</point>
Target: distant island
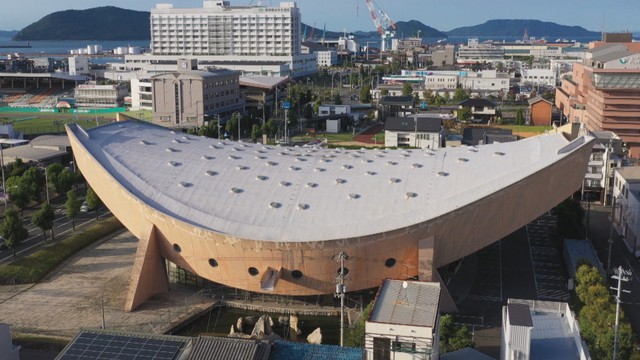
<point>113,23</point>
<point>516,28</point>
<point>101,23</point>
<point>7,34</point>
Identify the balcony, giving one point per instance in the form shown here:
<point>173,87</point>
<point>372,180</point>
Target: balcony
<point>593,176</point>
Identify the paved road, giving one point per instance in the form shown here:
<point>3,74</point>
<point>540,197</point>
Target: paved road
<point>62,226</point>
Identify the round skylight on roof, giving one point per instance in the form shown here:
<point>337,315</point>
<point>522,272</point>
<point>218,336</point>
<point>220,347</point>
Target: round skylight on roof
<point>285,183</point>
<point>185,184</point>
<point>416,166</point>
<point>186,137</point>
<point>303,206</point>
<point>271,163</point>
<point>175,163</point>
<point>207,157</point>
<point>367,161</point>
<point>371,173</point>
<point>410,195</point>
<point>275,205</point>
<point>311,185</point>
<point>211,173</point>
<point>326,160</point>
<point>170,149</point>
<point>354,196</point>
<point>262,177</point>
<point>319,169</point>
<point>473,150</point>
<point>300,159</point>
<point>499,153</point>
<point>222,143</point>
<point>215,147</point>
<point>260,157</point>
<point>463,160</point>
<point>235,190</point>
<point>240,167</point>
<point>259,151</point>
<point>340,181</point>
<point>394,180</point>
<point>144,142</point>
<point>176,141</point>
<point>443,173</point>
<point>234,157</point>
<point>347,167</point>
<point>294,168</point>
<point>391,163</point>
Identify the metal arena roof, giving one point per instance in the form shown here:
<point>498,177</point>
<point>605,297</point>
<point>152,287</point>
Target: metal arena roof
<point>297,194</point>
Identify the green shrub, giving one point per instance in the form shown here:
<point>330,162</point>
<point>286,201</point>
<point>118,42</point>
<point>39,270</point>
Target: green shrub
<point>32,268</point>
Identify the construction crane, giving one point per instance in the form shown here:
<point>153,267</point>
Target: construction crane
<point>383,24</point>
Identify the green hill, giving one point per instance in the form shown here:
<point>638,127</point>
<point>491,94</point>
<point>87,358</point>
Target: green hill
<point>7,34</point>
<point>511,28</point>
<point>101,23</point>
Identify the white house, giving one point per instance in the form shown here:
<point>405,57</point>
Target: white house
<point>420,132</point>
<point>404,322</point>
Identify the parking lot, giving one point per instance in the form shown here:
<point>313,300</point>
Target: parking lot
<point>550,274</point>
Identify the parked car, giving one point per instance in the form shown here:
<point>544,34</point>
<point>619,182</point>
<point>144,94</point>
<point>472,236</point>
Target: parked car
<point>85,207</point>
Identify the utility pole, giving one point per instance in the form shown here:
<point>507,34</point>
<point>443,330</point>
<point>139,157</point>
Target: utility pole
<point>340,292</point>
<point>610,241</point>
<point>219,127</point>
<point>104,326</point>
<point>238,117</point>
<point>620,275</point>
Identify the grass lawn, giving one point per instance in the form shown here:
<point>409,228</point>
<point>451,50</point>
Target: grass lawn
<point>33,268</point>
<point>526,128</point>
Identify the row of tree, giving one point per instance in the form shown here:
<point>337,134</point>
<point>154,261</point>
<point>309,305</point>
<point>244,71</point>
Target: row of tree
<point>597,314</point>
<point>14,232</point>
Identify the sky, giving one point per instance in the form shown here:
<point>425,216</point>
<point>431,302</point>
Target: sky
<point>352,15</point>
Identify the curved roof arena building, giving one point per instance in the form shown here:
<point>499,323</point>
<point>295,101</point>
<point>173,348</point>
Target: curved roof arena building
<point>273,219</point>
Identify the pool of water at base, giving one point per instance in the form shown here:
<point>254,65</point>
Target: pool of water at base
<point>218,321</point>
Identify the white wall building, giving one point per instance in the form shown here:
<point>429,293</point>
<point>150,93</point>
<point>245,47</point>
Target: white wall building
<point>474,52</point>
<point>485,81</point>
<point>546,77</point>
<point>626,193</point>
<point>425,132</point>
<point>252,39</point>
<point>78,65</point>
<point>327,58</point>
<point>404,322</point>
<point>141,94</point>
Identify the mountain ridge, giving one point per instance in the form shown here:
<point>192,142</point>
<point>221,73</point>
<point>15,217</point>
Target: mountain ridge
<point>518,27</point>
<point>114,23</point>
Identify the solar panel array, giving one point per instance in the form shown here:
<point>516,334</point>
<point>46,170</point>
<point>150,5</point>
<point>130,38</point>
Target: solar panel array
<point>98,346</point>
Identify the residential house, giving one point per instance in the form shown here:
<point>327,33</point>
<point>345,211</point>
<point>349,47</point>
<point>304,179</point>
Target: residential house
<point>404,322</point>
<point>482,110</point>
<point>626,206</point>
<point>480,136</point>
<point>419,131</point>
<point>540,111</point>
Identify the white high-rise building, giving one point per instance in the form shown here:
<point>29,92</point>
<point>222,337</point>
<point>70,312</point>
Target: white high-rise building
<point>221,29</point>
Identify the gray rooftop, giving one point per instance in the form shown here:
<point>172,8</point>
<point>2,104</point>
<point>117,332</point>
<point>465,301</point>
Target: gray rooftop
<point>262,81</point>
<point>274,193</point>
<point>414,304</point>
<point>519,315</point>
<point>209,347</point>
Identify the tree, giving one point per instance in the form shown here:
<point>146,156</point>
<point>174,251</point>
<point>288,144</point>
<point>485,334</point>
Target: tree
<point>18,194</point>
<point>16,168</point>
<point>384,92</point>
<point>12,230</point>
<point>33,182</point>
<point>255,132</point>
<point>354,336</point>
<point>519,117</point>
<point>365,94</point>
<point>72,206</point>
<point>439,100</point>
<point>337,99</point>
<point>464,113</point>
<point>43,218</point>
<point>460,95</point>
<point>231,127</point>
<point>453,337</point>
<point>93,201</point>
<point>407,89</point>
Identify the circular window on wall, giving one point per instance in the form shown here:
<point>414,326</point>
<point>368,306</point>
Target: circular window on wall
<point>177,248</point>
<point>296,274</point>
<point>390,262</point>
<point>253,271</point>
<point>213,262</point>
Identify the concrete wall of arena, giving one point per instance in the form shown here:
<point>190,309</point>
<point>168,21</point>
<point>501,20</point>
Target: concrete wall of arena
<point>402,253</point>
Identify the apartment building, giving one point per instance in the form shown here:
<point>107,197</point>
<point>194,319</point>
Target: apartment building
<point>603,92</point>
<point>186,97</point>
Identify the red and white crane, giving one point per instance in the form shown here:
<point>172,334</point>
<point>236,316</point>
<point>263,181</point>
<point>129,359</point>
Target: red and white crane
<point>383,23</point>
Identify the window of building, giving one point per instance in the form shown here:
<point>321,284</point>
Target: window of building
<point>401,346</point>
